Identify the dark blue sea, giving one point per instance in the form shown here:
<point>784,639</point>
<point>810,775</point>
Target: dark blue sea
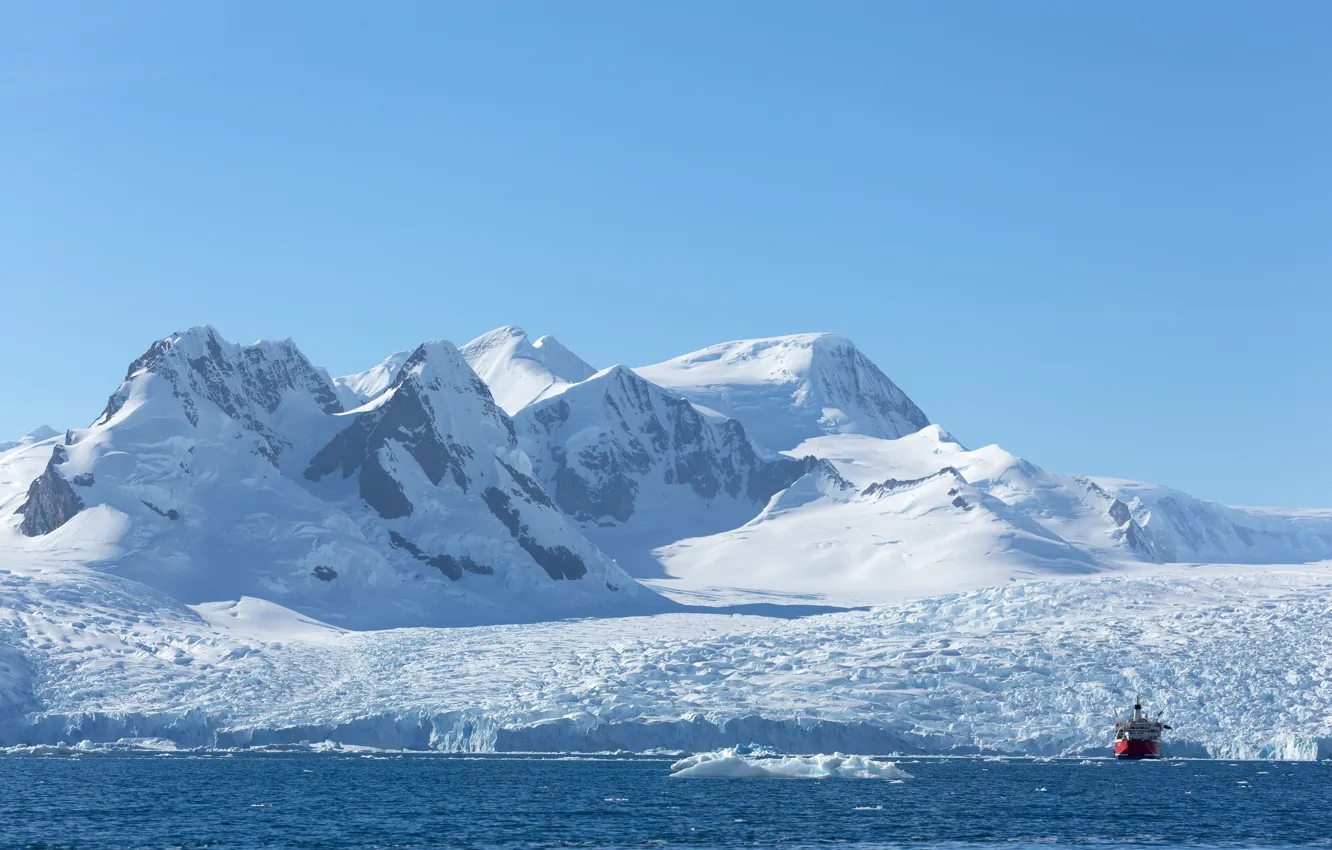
<point>339,801</point>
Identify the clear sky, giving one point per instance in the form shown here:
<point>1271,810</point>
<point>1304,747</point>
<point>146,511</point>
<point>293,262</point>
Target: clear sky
<point>1099,235</point>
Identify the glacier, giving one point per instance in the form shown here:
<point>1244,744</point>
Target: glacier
<point>1237,658</point>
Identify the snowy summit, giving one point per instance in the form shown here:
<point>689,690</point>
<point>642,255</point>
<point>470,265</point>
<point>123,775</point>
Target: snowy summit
<point>790,388</point>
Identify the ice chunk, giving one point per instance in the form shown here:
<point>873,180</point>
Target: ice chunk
<point>736,763</point>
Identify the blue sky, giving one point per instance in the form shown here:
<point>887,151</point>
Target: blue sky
<point>1097,234</point>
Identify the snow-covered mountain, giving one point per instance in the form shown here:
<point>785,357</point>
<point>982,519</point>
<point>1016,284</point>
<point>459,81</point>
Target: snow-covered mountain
<point>1184,528</point>
<point>218,471</point>
<point>356,390</point>
<point>787,389</point>
<point>437,461</point>
<point>940,516</point>
<point>639,467</point>
<point>405,494</point>
<point>520,372</point>
<point>36,435</point>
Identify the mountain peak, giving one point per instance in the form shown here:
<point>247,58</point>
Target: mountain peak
<point>519,371</point>
<point>36,435</point>
<point>41,432</point>
<point>355,390</point>
<point>787,389</point>
<point>202,371</point>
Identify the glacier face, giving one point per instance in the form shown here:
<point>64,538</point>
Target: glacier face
<point>1235,656</point>
<point>790,388</point>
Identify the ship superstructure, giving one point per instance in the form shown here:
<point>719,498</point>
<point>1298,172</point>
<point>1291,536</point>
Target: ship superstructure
<point>1139,737</point>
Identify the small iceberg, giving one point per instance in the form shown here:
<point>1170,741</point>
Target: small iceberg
<point>740,763</point>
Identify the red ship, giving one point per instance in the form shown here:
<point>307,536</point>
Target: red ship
<point>1139,737</point>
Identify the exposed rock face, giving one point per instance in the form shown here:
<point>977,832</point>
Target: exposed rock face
<point>51,501</point>
<point>598,446</point>
<point>438,421</point>
<point>407,419</point>
<point>1127,530</point>
<point>447,564</point>
<point>169,513</point>
<point>559,562</point>
<point>247,383</point>
<point>891,484</point>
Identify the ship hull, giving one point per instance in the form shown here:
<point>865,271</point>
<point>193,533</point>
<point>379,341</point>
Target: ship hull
<point>1136,750</point>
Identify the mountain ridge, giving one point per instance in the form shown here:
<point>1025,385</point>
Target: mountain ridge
<point>407,494</point>
<point>193,480</point>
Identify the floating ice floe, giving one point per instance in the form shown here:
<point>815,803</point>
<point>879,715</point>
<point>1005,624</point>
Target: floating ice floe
<point>733,762</point>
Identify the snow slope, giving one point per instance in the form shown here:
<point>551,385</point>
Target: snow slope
<point>638,467</point>
<point>829,541</point>
<point>1112,518</point>
<point>520,372</point>
<point>220,471</point>
<point>1236,656</point>
<point>790,388</point>
<point>1072,507</point>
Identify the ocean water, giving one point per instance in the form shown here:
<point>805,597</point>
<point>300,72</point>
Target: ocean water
<point>310,800</point>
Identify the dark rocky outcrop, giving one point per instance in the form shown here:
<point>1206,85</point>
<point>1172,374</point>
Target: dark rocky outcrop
<point>324,573</point>
<point>888,485</point>
<point>51,501</point>
<point>1138,540</point>
<point>170,513</point>
<point>559,562</point>
<point>244,382</point>
<point>648,437</point>
<point>447,564</point>
<point>408,420</point>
